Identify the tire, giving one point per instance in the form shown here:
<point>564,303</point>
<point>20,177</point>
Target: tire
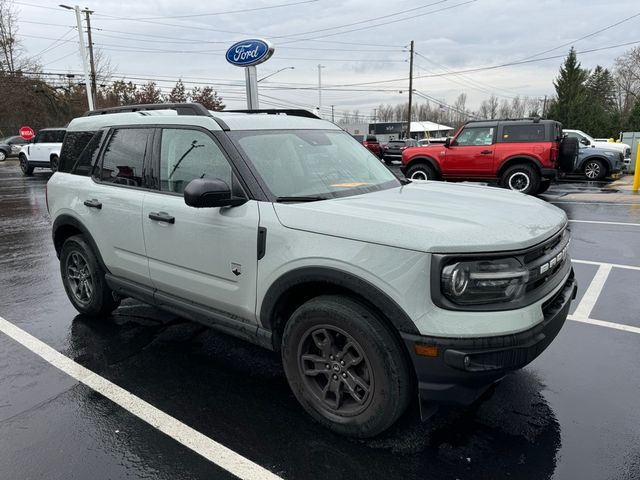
<point>83,279</point>
<point>387,161</point>
<point>318,337</point>
<point>3,155</point>
<point>421,171</point>
<point>523,178</point>
<point>55,162</point>
<point>27,170</point>
<point>594,169</point>
<point>544,186</point>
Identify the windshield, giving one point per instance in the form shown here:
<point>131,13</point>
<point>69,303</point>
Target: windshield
<point>313,163</point>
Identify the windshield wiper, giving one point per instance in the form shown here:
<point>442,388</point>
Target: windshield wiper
<point>299,199</point>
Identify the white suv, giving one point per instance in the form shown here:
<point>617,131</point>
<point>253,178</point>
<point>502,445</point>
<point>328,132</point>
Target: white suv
<point>282,229</point>
<point>43,151</point>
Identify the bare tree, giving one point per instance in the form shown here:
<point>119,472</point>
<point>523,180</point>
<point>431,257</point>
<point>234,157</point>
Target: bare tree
<point>626,76</point>
<point>10,48</point>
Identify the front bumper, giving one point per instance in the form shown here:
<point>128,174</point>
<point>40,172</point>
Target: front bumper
<point>465,367</point>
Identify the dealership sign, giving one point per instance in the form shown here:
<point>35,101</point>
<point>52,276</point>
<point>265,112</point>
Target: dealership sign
<point>249,52</point>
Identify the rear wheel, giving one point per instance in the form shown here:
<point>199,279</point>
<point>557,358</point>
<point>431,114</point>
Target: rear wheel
<point>345,367</point>
<point>27,170</point>
<point>594,170</point>
<point>3,155</point>
<point>55,161</point>
<point>83,278</point>
<point>544,186</point>
<point>421,171</point>
<point>522,178</point>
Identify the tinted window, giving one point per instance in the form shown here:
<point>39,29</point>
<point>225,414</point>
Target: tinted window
<point>189,154</point>
<point>85,163</point>
<point>123,159</point>
<point>523,133</point>
<point>396,143</point>
<point>50,136</point>
<point>74,144</point>
<point>16,141</point>
<point>475,136</point>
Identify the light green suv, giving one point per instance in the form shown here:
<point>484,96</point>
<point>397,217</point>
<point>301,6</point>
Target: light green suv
<point>280,228</point>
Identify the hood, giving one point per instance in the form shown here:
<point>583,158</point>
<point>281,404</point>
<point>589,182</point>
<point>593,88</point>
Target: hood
<point>618,147</point>
<point>431,217</point>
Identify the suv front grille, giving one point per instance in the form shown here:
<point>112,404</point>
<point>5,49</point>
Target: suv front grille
<point>547,260</point>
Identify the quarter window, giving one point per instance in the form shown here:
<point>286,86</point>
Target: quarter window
<point>475,136</point>
<point>189,154</point>
<point>523,133</point>
<point>123,160</point>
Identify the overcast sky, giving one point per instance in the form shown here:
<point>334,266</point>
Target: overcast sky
<point>153,40</point>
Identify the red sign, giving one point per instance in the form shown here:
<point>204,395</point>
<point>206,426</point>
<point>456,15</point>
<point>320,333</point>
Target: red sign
<point>27,133</point>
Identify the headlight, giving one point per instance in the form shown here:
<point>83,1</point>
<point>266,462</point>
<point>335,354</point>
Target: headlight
<point>485,281</point>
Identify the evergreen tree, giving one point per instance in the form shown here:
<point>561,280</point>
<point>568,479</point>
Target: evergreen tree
<point>178,94</point>
<point>600,105</point>
<point>149,93</point>
<point>571,93</point>
<point>633,122</point>
<point>207,97</point>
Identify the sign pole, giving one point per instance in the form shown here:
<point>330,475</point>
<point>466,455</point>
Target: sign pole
<point>251,78</point>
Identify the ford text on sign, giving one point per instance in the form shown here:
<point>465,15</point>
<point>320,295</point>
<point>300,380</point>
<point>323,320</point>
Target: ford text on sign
<point>249,52</point>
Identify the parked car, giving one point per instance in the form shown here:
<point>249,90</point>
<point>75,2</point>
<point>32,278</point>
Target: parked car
<point>522,155</point>
<point>591,142</point>
<point>279,229</point>
<point>371,142</point>
<point>43,151</point>
<point>10,146</point>
<point>598,163</point>
<point>393,150</point>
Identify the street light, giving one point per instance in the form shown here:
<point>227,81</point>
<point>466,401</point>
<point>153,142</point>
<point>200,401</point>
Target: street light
<point>83,54</point>
<point>278,71</point>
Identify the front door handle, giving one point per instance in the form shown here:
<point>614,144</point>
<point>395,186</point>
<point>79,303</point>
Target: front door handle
<point>93,203</point>
<point>486,152</point>
<point>162,217</point>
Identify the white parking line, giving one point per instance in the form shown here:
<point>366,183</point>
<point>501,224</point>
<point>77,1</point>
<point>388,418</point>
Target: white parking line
<point>614,265</point>
<point>222,456</point>
<point>593,292</point>
<point>601,323</point>
<point>597,203</point>
<point>606,223</point>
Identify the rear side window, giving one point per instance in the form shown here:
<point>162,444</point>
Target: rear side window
<point>73,146</point>
<point>523,133</point>
<point>50,136</point>
<point>123,158</point>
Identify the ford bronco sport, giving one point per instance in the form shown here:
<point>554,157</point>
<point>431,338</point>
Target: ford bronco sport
<point>522,155</point>
<point>280,228</point>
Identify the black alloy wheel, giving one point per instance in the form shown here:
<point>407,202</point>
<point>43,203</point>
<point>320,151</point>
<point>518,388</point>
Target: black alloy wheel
<point>27,170</point>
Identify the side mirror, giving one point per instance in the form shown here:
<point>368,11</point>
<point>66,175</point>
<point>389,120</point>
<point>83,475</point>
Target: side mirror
<point>585,141</point>
<point>447,142</point>
<point>208,193</point>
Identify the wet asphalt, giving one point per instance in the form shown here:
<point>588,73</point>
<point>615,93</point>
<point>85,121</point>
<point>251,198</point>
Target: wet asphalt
<point>574,413</point>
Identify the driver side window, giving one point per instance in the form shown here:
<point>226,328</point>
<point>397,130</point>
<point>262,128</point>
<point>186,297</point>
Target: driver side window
<point>475,136</point>
<point>189,154</point>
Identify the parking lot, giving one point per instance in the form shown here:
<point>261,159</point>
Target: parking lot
<point>150,395</point>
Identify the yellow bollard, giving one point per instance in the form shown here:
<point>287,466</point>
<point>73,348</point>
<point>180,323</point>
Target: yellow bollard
<point>636,175</point>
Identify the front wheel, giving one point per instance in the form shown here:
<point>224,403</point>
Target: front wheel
<point>3,156</point>
<point>421,171</point>
<point>83,278</point>
<point>522,178</point>
<point>345,367</point>
<point>595,170</point>
<point>27,170</point>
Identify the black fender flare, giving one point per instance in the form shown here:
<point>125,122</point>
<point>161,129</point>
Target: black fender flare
<point>66,221</point>
<point>345,282</point>
<point>424,159</point>
<point>518,159</point>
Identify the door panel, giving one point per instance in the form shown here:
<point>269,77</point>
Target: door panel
<point>471,153</point>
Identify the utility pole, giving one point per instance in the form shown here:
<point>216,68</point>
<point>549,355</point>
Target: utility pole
<point>333,120</point>
<point>375,115</point>
<point>94,90</point>
<point>410,91</point>
<point>83,54</point>
<point>544,107</point>
<point>320,67</point>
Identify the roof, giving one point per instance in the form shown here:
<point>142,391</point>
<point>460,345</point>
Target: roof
<point>428,127</point>
<point>216,121</point>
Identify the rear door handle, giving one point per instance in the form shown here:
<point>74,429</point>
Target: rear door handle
<point>93,203</point>
<point>486,152</point>
<point>162,217</point>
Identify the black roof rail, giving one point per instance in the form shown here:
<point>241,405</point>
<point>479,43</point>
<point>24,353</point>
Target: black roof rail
<point>279,111</point>
<point>534,119</point>
<point>180,108</point>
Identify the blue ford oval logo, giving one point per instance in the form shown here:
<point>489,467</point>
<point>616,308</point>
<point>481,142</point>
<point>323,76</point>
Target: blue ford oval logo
<point>249,52</point>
